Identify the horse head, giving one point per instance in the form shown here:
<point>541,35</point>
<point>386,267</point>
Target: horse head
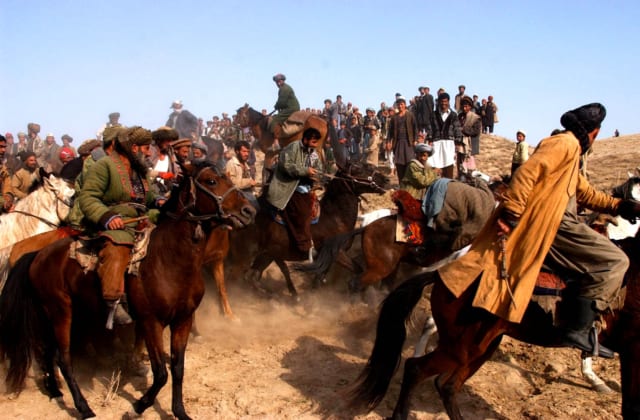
<point>366,177</point>
<point>62,189</point>
<point>247,116</point>
<point>206,195</point>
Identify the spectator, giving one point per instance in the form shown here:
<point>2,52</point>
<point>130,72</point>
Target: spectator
<point>471,127</point>
<point>458,98</point>
<point>114,121</point>
<point>21,181</point>
<point>521,154</point>
<point>445,132</point>
<point>402,134</point>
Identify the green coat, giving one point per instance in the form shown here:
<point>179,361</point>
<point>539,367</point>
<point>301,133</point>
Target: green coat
<point>417,179</point>
<point>106,192</point>
<point>293,164</point>
<point>286,105</point>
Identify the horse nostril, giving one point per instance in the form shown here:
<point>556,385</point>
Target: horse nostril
<point>248,211</point>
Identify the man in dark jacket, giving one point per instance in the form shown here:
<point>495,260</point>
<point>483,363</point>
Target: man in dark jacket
<point>445,131</point>
<point>286,104</point>
<point>183,121</point>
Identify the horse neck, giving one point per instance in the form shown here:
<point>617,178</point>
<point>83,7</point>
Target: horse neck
<point>339,204</point>
<point>19,226</point>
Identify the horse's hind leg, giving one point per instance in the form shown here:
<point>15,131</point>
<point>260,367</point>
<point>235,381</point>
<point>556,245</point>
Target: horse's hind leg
<point>449,385</point>
<point>179,337</point>
<point>48,363</point>
<point>417,370</point>
<point>62,330</point>
<point>287,277</point>
<point>254,274</point>
<point>153,338</point>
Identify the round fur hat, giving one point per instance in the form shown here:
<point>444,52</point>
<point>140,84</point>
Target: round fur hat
<point>139,136</point>
<point>87,146</point>
<point>181,143</point>
<point>163,134</point>
<point>111,133</point>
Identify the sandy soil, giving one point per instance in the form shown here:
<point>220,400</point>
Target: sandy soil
<point>285,360</point>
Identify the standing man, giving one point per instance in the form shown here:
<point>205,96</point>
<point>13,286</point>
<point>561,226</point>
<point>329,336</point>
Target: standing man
<point>402,135</point>
<point>50,157</point>
<point>291,188</point>
<point>183,121</point>
<point>286,104</point>
<point>114,121</point>
<point>339,110</point>
<point>5,180</point>
<point>445,132</point>
<point>458,99</point>
<point>114,189</point>
<point>34,143</point>
<point>471,127</point>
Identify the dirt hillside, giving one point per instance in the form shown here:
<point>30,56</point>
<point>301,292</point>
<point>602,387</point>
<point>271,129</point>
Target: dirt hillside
<point>295,361</point>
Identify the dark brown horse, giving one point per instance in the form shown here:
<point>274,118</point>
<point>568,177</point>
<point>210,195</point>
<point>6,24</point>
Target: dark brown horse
<point>248,117</point>
<point>465,210</point>
<point>36,312</point>
<point>469,336</point>
<point>338,214</point>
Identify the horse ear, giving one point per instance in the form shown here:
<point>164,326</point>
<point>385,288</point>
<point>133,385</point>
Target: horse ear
<point>43,174</point>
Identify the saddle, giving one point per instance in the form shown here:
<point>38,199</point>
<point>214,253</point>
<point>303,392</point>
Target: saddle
<point>292,126</point>
<point>85,250</point>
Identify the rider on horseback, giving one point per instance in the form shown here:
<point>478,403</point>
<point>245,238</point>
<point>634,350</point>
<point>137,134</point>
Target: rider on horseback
<point>115,188</point>
<point>537,225</point>
<point>286,105</point>
<point>291,187</point>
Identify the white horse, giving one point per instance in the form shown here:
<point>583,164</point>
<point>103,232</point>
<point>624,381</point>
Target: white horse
<point>617,228</point>
<point>41,211</point>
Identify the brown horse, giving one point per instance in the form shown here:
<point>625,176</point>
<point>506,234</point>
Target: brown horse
<point>465,210</point>
<point>338,214</point>
<point>36,313</point>
<point>469,336</point>
<point>248,117</point>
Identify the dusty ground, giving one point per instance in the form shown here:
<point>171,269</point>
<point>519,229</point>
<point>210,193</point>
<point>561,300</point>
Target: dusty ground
<point>297,361</point>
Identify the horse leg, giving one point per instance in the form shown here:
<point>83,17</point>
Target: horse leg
<point>47,364</point>
<point>590,376</point>
<point>254,274</point>
<point>287,276</point>
<point>153,338</point>
<point>179,337</point>
<point>218,275</point>
<point>417,370</point>
<point>62,330</point>
<point>449,385</point>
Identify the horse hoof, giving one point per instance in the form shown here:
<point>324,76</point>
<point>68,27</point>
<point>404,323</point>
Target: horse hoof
<point>602,389</point>
<point>88,415</point>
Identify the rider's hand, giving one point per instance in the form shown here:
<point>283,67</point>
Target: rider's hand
<point>116,224</point>
<point>166,175</point>
<point>506,223</point>
<point>312,171</point>
<point>629,209</point>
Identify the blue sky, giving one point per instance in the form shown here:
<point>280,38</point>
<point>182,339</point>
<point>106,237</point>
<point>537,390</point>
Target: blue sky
<point>69,63</point>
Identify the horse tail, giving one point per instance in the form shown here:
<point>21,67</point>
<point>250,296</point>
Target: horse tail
<point>327,253</point>
<point>372,384</point>
<point>19,318</point>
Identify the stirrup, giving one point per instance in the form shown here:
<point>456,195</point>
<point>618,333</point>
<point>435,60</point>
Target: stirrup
<point>117,314</point>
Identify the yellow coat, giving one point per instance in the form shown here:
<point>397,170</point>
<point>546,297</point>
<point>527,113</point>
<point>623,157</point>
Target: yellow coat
<point>538,194</point>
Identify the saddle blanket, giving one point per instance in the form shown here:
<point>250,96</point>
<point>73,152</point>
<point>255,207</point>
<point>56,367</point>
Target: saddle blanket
<point>86,254</point>
<point>407,231</point>
<point>368,218</point>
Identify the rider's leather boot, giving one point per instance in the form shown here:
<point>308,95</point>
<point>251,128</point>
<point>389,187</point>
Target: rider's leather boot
<point>580,331</point>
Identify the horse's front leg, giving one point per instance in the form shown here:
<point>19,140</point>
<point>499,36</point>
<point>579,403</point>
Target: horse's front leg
<point>218,275</point>
<point>179,338</point>
<point>153,337</point>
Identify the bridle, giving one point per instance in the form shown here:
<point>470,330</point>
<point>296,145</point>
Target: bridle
<point>368,181</point>
<point>196,185</point>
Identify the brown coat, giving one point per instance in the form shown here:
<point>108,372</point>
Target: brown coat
<point>538,194</point>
